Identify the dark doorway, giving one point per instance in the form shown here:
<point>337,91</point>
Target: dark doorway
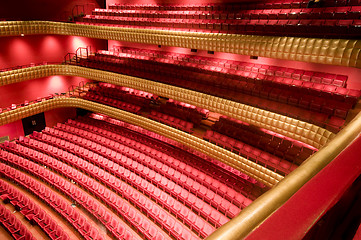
<point>81,112</point>
<point>34,123</point>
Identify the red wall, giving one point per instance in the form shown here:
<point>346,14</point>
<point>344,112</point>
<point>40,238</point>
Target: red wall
<point>294,218</point>
<point>44,9</point>
<point>42,48</point>
<point>52,117</point>
<point>354,80</point>
<point>32,89</point>
<point>55,116</point>
<point>13,130</point>
<point>15,51</point>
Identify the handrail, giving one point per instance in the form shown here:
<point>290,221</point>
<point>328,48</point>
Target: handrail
<point>79,52</point>
<point>252,169</point>
<point>69,56</point>
<point>343,52</point>
<point>261,208</point>
<point>257,212</point>
<point>299,130</point>
<point>28,65</point>
<point>83,12</point>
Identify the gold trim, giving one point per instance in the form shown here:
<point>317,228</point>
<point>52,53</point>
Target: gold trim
<point>257,212</point>
<point>260,173</point>
<point>343,52</point>
<point>290,127</point>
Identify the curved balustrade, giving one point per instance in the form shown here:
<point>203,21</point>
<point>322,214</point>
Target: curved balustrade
<point>250,168</point>
<point>344,52</point>
<point>258,211</point>
<point>290,127</point>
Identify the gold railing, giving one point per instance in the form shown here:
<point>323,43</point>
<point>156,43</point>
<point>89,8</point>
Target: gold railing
<point>343,52</point>
<point>261,208</point>
<point>260,173</point>
<point>258,211</point>
<point>296,129</point>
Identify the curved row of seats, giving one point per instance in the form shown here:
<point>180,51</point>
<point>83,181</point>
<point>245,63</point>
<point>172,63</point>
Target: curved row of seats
<point>112,200</point>
<point>312,102</point>
<point>283,147</point>
<point>267,150</point>
<point>217,66</point>
<point>226,66</point>
<point>153,189</point>
<point>140,98</point>
<point>296,28</point>
<point>13,225</point>
<point>185,106</point>
<point>92,96</point>
<point>271,14</point>
<point>31,211</point>
<point>261,157</point>
<point>108,94</point>
<point>186,113</point>
<point>270,4</point>
<point>159,195</point>
<point>156,163</point>
<point>317,22</point>
<point>171,121</point>
<point>73,216</point>
<point>161,147</point>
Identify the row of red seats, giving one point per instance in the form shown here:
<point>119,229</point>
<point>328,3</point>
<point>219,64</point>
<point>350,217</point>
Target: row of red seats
<point>293,27</point>
<point>268,160</point>
<point>181,113</point>
<point>112,89</point>
<point>13,225</point>
<point>128,212</point>
<point>233,7</point>
<point>112,102</point>
<point>319,118</point>
<point>280,146</point>
<point>203,112</point>
<point>183,174</point>
<point>228,66</point>
<point>31,211</point>
<point>73,216</point>
<point>271,14</point>
<point>315,81</point>
<point>175,78</point>
<point>237,80</point>
<point>152,190</point>
<point>171,121</point>
<point>155,192</point>
<point>223,183</point>
<point>295,92</point>
<point>121,188</point>
<point>116,93</point>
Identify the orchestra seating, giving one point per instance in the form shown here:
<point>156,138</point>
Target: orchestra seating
<point>31,211</point>
<point>109,179</point>
<point>135,185</point>
<point>13,225</point>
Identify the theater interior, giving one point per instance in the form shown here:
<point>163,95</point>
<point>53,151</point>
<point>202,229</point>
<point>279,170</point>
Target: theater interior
<point>180,119</point>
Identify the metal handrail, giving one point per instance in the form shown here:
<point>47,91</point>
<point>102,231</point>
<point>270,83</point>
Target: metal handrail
<point>259,210</point>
